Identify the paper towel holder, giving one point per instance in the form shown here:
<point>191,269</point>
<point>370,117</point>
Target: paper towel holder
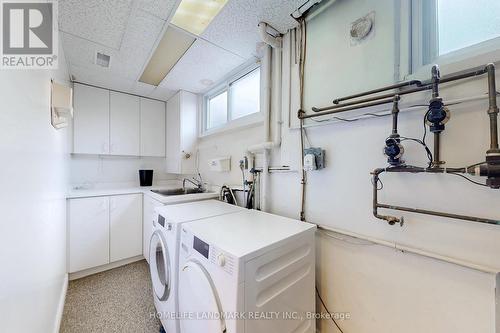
<point>61,104</point>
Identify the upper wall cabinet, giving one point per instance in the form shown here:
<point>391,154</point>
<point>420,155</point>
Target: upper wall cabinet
<point>182,133</point>
<point>90,120</point>
<point>124,120</point>
<point>152,128</point>
<point>113,123</point>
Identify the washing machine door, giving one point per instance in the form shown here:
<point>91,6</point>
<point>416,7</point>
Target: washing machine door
<point>198,298</point>
<point>159,266</point>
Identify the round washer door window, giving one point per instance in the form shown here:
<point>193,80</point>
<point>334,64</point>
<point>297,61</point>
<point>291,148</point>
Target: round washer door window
<point>159,265</point>
<point>198,298</point>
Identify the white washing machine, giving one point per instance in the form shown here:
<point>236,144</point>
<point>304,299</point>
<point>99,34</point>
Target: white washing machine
<point>249,272</point>
<point>164,248</point>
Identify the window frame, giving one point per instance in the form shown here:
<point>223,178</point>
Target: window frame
<point>421,48</point>
<point>225,86</point>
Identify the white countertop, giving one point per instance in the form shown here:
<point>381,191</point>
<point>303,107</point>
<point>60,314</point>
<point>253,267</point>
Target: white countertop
<point>120,188</point>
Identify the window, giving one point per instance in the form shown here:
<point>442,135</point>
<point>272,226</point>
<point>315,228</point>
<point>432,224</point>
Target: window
<point>245,95</point>
<point>235,99</point>
<point>217,110</point>
<point>452,28</point>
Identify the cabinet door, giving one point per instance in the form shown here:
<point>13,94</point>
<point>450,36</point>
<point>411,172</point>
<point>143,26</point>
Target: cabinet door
<point>173,135</point>
<point>90,120</point>
<point>188,131</point>
<point>88,233</point>
<point>152,128</point>
<point>124,124</point>
<point>147,229</point>
<point>125,226</point>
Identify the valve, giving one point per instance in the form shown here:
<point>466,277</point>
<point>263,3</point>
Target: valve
<point>394,150</point>
<point>437,115</point>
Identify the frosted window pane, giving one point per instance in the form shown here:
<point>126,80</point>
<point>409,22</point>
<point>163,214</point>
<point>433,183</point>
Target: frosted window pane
<point>245,95</point>
<point>217,110</point>
<point>463,23</point>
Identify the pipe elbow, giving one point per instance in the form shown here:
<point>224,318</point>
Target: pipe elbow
<point>267,38</point>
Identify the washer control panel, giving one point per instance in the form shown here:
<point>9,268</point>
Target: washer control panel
<point>222,260</point>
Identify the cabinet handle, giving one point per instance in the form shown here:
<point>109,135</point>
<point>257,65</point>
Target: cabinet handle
<point>185,155</point>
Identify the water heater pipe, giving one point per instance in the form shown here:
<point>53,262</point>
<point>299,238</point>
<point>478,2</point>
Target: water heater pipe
<point>272,43</point>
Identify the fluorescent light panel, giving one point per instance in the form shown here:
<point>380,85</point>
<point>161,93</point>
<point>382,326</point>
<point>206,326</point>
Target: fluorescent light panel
<point>195,15</point>
<point>171,48</point>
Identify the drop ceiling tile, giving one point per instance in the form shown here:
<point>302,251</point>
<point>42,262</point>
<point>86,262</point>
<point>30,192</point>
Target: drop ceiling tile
<point>142,32</point>
<point>235,28</point>
<point>139,40</point>
<point>202,61</point>
<point>159,8</point>
<point>98,78</point>
<point>102,22</point>
<point>81,51</point>
<point>162,93</point>
<point>143,89</point>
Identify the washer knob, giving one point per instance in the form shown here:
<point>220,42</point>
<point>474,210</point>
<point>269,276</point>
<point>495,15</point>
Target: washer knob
<point>221,260</point>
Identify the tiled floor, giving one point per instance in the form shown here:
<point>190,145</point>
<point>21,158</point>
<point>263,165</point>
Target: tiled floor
<point>118,300</point>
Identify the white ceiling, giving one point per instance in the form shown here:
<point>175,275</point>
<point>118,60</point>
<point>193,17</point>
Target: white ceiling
<point>127,30</point>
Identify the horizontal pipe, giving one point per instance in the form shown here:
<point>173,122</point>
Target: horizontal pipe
<point>302,115</point>
<point>421,86</point>
<point>463,75</point>
<point>375,91</point>
<point>407,108</point>
<point>406,248</point>
<point>340,107</point>
<point>440,214</point>
<point>393,220</point>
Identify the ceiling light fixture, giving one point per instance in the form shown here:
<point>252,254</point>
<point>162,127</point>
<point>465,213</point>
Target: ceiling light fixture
<point>170,49</point>
<point>195,15</point>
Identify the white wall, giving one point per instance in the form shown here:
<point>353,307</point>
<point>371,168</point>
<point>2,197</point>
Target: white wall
<point>33,177</point>
<point>385,290</point>
<point>89,170</point>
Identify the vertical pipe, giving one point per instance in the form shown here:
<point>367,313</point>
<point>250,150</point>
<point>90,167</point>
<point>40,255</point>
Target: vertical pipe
<point>493,109</point>
<point>375,194</point>
<point>395,114</point>
<point>436,154</point>
<point>435,81</point>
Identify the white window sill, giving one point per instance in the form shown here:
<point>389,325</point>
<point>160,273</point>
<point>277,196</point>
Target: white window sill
<point>252,120</point>
<point>474,56</point>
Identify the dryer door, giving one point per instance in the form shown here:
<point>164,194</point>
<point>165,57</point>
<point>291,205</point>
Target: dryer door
<point>159,265</point>
<point>198,298</point>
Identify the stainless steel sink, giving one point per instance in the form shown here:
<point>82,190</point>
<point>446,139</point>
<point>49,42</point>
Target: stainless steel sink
<point>178,191</point>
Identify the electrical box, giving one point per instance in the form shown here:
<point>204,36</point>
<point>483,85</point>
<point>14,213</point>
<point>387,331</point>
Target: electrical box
<point>220,164</point>
<point>314,159</point>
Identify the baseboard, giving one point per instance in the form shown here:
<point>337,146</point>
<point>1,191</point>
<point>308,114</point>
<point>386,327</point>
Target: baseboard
<point>98,269</point>
<point>60,307</point>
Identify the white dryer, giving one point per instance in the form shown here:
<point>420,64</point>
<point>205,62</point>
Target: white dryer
<point>249,272</point>
<point>164,248</point>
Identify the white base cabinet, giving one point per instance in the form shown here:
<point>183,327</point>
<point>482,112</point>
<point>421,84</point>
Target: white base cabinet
<point>102,230</point>
<point>88,233</point>
<point>125,235</point>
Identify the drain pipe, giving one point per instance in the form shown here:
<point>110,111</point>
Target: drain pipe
<point>265,104</point>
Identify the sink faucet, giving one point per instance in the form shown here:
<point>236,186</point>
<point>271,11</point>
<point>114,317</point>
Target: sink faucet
<point>196,182</point>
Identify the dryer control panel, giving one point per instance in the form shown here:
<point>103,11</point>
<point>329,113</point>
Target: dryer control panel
<point>192,245</point>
